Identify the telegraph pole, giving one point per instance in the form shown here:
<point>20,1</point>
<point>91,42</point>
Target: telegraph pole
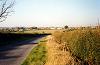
<point>98,23</point>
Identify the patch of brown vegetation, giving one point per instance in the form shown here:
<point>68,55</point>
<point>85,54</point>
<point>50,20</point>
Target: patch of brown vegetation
<point>57,54</point>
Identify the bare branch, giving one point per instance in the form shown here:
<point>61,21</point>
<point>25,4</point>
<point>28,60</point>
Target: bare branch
<point>6,9</point>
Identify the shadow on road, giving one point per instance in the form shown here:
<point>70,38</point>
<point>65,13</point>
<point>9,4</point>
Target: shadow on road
<point>6,51</point>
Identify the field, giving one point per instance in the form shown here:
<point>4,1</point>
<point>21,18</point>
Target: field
<point>39,31</point>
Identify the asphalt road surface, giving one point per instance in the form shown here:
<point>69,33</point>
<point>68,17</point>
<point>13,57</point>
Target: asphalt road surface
<point>16,54</point>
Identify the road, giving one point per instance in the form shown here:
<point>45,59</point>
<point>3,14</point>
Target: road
<point>16,54</point>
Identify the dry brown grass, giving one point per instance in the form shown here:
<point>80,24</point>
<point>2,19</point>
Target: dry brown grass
<point>57,54</point>
<point>41,31</point>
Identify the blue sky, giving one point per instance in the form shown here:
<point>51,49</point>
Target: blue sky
<point>54,13</point>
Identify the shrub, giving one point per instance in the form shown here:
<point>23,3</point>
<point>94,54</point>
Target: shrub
<point>83,44</point>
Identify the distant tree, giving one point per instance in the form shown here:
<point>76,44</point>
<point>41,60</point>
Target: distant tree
<point>33,27</point>
<point>66,27</point>
<point>5,9</point>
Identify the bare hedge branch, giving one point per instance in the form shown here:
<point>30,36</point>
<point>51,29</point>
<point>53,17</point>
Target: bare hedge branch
<point>5,9</point>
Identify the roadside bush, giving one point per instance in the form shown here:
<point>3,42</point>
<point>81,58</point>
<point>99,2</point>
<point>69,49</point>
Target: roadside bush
<point>82,44</point>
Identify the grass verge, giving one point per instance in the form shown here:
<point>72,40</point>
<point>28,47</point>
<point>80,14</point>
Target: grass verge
<point>37,56</point>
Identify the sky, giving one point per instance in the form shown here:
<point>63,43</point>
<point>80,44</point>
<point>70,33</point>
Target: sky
<point>46,13</point>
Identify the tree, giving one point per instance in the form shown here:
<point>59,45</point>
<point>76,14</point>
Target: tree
<point>66,27</point>
<point>5,9</point>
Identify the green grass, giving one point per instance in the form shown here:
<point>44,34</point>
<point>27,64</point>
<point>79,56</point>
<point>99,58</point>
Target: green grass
<point>37,55</point>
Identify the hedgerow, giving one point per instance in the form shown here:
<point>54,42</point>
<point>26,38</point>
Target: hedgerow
<point>83,45</point>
